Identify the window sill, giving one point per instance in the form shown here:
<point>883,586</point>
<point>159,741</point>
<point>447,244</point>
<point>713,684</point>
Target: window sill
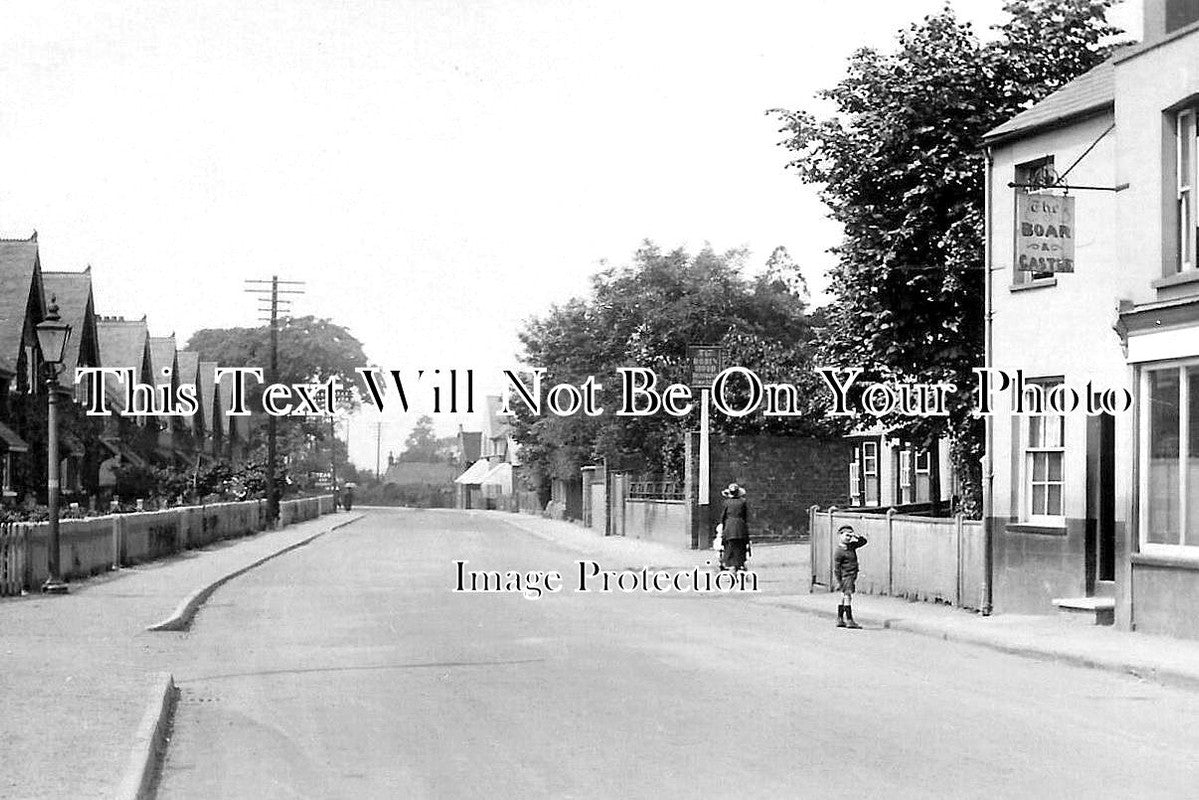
<point>1178,279</point>
<point>1179,561</point>
<point>1040,283</point>
<point>1036,529</point>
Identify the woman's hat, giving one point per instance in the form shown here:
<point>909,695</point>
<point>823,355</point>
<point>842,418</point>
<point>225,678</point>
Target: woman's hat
<point>733,491</point>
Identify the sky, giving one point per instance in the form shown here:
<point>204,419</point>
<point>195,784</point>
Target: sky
<point>435,171</point>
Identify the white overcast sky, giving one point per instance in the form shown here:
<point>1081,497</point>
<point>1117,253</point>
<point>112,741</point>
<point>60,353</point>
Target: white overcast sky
<point>436,170</point>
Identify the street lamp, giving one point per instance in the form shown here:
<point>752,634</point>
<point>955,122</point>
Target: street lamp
<point>52,336</point>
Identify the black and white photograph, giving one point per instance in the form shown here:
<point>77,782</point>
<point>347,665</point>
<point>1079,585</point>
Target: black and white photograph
<point>579,399</point>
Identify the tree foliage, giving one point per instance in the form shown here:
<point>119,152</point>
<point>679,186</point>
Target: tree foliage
<point>901,167</point>
<point>311,349</point>
<point>646,314</point>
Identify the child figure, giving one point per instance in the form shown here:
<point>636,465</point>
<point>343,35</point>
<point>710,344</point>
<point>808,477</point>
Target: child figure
<point>845,570</point>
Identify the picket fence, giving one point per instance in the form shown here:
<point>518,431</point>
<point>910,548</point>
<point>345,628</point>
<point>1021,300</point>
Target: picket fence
<point>921,558</point>
<point>97,544</point>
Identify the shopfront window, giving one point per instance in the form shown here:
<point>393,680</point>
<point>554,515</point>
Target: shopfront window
<point>1170,457</point>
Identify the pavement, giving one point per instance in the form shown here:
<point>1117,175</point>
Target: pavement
<point>783,571</point>
<point>77,670</point>
<point>352,668</point>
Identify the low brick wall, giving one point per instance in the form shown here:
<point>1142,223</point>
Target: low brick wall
<point>97,544</point>
<point>783,476</point>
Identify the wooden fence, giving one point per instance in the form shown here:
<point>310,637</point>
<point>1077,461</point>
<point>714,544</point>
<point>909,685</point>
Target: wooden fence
<point>922,558</point>
<point>97,544</point>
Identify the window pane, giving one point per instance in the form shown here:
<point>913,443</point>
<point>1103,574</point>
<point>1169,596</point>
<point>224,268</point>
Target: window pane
<point>1039,462</point>
<point>1053,500</point>
<point>1036,427</point>
<point>1054,430</point>
<point>1055,466</point>
<point>1038,499</point>
<point>1163,456</point>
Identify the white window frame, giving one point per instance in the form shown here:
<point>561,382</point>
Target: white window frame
<point>1184,429</point>
<point>870,475</point>
<point>856,488</point>
<point>1027,457</point>
<point>1185,187</point>
<point>905,469</point>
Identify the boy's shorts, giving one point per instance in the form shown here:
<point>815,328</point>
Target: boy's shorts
<point>848,584</point>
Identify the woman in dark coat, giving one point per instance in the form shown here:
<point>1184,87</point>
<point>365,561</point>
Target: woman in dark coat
<point>734,521</point>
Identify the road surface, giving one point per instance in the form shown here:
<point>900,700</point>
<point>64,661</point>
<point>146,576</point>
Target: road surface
<point>350,668</point>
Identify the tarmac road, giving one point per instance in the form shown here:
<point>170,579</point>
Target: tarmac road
<point>350,668</point>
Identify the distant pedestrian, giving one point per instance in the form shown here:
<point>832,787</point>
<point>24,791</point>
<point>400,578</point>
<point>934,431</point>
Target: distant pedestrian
<point>347,496</point>
<point>845,570</point>
<point>734,528</point>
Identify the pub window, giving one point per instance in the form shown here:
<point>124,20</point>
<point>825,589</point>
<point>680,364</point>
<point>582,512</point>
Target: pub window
<point>5,473</point>
<point>1187,232</point>
<point>1170,457</point>
<point>1030,177</point>
<point>1044,454</point>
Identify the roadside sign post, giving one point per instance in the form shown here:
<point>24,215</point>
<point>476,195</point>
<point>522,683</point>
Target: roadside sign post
<point>706,363</point>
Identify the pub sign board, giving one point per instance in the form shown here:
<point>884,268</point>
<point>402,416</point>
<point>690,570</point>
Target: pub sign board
<point>1044,232</point>
<point>706,363</point>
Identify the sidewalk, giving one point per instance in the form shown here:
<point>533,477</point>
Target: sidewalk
<point>784,579</point>
<point>76,671</point>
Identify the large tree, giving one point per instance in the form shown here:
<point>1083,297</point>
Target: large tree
<point>311,350</point>
<point>901,167</point>
<point>646,314</point>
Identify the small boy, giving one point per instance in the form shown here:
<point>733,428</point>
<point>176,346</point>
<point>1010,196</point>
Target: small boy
<point>845,570</point>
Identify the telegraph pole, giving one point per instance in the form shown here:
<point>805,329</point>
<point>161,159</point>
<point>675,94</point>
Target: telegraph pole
<point>272,429</point>
<point>378,441</point>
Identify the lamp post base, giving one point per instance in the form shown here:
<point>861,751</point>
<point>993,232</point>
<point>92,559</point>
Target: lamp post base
<point>54,586</point>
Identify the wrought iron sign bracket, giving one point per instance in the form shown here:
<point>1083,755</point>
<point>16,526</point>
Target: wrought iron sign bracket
<point>1037,186</point>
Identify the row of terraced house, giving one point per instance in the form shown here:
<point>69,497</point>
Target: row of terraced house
<point>93,449</point>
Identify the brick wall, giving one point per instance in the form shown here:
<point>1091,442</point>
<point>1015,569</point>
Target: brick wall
<point>783,476</point>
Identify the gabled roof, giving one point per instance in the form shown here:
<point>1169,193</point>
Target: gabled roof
<point>475,473</point>
<point>162,356</point>
<point>1087,94</point>
<point>206,385</point>
<point>122,346</point>
<point>20,273</point>
<point>472,445</point>
<point>72,292</point>
<point>189,367</point>
<point>234,426</point>
<point>408,473</point>
<point>495,425</point>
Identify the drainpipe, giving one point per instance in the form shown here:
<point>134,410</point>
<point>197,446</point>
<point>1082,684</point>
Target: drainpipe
<point>988,361</point>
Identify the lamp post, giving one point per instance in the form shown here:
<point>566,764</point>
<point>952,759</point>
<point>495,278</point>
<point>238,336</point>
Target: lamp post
<point>52,336</point>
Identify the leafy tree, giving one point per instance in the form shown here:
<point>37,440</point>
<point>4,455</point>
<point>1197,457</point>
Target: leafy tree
<point>422,443</point>
<point>311,350</point>
<point>901,168</point>
<point>646,314</point>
